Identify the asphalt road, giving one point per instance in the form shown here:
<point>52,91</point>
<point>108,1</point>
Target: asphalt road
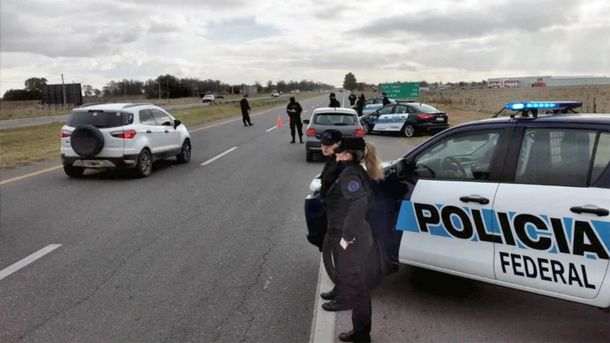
<point>217,253</point>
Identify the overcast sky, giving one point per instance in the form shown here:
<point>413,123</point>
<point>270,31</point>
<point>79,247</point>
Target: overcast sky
<point>94,42</point>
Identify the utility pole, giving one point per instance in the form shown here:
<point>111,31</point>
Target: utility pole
<point>159,89</point>
<point>63,86</point>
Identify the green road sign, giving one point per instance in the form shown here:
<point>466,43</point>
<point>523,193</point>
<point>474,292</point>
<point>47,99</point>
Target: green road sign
<point>401,90</point>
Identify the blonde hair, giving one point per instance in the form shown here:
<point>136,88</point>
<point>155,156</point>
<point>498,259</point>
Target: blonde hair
<point>372,163</point>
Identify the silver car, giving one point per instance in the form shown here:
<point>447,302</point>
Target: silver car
<point>322,119</point>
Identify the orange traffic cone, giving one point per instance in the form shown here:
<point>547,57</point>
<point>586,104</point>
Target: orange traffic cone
<point>279,122</point>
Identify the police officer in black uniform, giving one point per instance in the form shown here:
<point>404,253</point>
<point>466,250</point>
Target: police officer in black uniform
<point>385,100</point>
<point>245,110</point>
<point>352,99</point>
<point>294,110</point>
<point>330,140</point>
<point>347,203</point>
<point>333,101</point>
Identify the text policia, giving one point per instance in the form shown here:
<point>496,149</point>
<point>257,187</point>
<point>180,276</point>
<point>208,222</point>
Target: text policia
<point>589,239</point>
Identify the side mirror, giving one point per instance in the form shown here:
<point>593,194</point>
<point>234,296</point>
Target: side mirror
<point>177,123</point>
<point>403,168</point>
<point>306,121</point>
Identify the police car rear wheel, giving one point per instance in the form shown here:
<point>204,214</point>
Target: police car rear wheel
<point>329,260</point>
<point>408,131</point>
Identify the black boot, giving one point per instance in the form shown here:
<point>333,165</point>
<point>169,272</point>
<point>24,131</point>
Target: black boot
<point>333,306</point>
<point>330,295</point>
<point>350,336</point>
<point>301,139</point>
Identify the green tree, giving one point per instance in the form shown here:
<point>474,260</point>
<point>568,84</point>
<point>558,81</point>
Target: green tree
<point>350,82</point>
<point>35,86</point>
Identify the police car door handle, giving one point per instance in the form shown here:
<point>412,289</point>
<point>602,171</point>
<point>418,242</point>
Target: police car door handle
<point>166,131</point>
<point>148,131</point>
<point>475,198</point>
<point>602,212</point>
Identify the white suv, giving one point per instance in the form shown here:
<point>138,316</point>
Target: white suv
<point>121,135</point>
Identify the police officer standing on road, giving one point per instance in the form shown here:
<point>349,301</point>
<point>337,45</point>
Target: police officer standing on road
<point>360,104</point>
<point>333,101</point>
<point>294,110</point>
<point>385,100</point>
<point>245,110</point>
<point>352,99</point>
<point>347,203</point>
<point>329,141</point>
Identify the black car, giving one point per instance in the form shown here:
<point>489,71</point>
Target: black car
<point>406,118</point>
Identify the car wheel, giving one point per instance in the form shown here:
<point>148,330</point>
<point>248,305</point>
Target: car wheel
<point>309,156</point>
<point>329,259</point>
<point>185,152</point>
<point>73,171</point>
<point>408,131</point>
<point>144,165</point>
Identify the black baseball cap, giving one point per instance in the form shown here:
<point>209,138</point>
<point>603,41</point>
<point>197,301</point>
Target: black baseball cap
<point>351,143</point>
<point>330,137</point>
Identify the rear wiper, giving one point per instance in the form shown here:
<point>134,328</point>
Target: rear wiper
<point>342,124</point>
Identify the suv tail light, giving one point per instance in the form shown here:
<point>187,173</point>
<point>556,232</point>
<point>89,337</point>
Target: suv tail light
<point>65,133</point>
<point>311,132</point>
<point>127,134</point>
<point>359,133</point>
<point>425,116</point>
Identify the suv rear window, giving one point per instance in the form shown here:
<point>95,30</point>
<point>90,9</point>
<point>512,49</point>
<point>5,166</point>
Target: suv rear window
<point>99,119</point>
<point>334,119</point>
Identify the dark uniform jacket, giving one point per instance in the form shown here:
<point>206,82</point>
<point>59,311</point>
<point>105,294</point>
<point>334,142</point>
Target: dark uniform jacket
<point>245,106</point>
<point>294,110</point>
<point>334,103</point>
<point>347,203</point>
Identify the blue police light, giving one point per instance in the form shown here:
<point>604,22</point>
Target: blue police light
<point>550,105</point>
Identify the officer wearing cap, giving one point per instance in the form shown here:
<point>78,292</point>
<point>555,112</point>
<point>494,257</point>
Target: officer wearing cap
<point>347,202</point>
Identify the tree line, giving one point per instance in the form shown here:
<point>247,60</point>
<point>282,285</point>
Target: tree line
<point>164,86</point>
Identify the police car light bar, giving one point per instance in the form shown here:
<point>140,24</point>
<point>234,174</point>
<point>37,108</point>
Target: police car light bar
<point>542,105</point>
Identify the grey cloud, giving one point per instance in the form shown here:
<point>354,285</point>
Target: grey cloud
<point>521,15</point>
<point>239,29</point>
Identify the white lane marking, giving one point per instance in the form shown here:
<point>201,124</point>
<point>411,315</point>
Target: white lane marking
<point>218,156</point>
<point>271,129</point>
<point>323,323</point>
<point>24,262</point>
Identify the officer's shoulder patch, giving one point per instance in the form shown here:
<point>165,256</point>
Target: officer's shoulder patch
<point>353,186</point>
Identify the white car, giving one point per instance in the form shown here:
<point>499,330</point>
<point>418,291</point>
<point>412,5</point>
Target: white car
<point>209,98</point>
<point>121,135</point>
<point>275,94</point>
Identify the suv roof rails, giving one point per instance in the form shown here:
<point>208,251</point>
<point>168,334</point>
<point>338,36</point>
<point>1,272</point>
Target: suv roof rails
<point>136,104</point>
<point>533,108</point>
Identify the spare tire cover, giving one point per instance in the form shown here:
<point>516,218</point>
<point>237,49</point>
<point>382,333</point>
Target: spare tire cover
<point>87,140</point>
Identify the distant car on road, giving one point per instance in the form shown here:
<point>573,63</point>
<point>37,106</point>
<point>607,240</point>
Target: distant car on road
<point>209,98</point>
<point>521,201</point>
<point>275,94</point>
<point>407,118</point>
<point>121,136</point>
<point>322,119</point>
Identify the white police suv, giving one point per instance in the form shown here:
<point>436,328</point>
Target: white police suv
<point>121,135</point>
<point>520,201</point>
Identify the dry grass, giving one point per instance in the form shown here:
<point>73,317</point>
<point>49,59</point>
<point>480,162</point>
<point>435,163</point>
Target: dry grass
<point>27,145</point>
